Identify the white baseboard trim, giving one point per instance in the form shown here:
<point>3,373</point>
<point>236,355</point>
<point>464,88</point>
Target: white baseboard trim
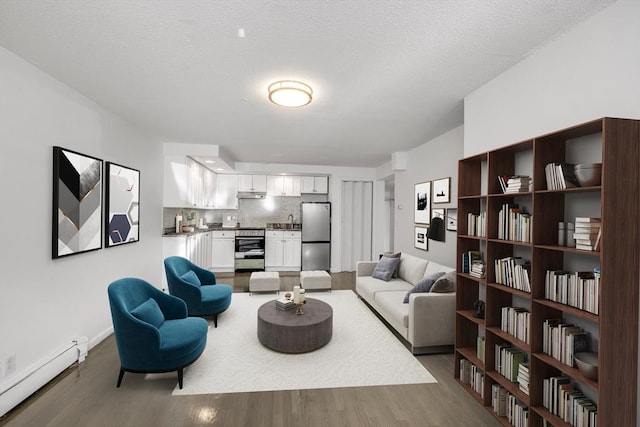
<point>16,390</point>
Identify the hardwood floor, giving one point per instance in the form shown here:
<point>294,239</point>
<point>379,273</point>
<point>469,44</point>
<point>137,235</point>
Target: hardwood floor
<point>86,395</point>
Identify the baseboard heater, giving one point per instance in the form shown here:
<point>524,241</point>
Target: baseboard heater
<point>19,389</point>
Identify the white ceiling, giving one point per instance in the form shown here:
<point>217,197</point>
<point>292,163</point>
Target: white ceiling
<point>387,75</point>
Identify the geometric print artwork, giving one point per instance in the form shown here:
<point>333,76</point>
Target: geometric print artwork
<point>77,203</point>
<point>122,205</point>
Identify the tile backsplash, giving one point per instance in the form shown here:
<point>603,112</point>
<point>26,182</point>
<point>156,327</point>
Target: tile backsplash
<point>250,212</point>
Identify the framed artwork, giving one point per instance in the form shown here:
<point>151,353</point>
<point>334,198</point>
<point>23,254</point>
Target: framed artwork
<point>122,204</point>
<point>420,238</point>
<point>442,190</point>
<point>422,203</point>
<point>438,213</point>
<point>77,203</point>
<point>452,219</point>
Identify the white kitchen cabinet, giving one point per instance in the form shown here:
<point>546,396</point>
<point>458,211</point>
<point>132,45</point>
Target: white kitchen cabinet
<point>252,183</point>
<point>223,247</point>
<point>315,184</point>
<point>283,250</point>
<point>210,179</point>
<point>226,191</point>
<point>283,185</point>
<point>176,182</point>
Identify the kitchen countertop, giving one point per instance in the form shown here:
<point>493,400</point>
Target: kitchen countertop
<point>170,232</point>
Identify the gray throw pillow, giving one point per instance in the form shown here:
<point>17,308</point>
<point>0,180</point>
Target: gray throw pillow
<point>424,285</point>
<point>446,283</point>
<point>385,268</point>
<point>393,255</point>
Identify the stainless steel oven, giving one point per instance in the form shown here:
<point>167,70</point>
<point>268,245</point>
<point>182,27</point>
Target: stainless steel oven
<point>249,249</point>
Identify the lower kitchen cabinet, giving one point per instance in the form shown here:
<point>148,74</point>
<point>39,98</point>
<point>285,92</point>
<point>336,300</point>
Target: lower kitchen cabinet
<point>283,250</point>
<point>223,250</point>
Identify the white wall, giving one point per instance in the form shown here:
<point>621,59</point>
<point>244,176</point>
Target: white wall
<point>45,303</point>
<point>591,72</point>
<point>434,159</point>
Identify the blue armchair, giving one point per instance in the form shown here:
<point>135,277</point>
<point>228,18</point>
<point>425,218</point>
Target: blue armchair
<point>197,287</point>
<point>152,330</point>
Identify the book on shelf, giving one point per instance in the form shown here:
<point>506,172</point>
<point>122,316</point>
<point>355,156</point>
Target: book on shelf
<point>477,269</point>
<point>587,220</point>
<point>560,176</point>
<point>523,377</point>
<point>514,183</point>
<point>476,224</point>
<point>480,346</point>
<point>513,272</point>
<point>469,258</point>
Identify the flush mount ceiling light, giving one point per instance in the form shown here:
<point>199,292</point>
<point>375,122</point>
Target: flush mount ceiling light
<point>290,93</point>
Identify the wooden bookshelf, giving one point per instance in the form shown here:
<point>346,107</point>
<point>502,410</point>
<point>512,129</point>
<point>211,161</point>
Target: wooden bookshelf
<point>614,331</point>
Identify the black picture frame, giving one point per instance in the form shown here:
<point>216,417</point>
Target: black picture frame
<point>422,203</point>
<point>76,203</point>
<point>122,205</point>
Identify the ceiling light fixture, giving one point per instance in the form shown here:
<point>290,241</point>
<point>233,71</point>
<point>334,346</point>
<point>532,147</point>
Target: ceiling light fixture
<point>290,93</point>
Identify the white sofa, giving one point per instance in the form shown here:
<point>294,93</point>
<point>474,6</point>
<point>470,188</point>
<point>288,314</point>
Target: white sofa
<point>427,322</point>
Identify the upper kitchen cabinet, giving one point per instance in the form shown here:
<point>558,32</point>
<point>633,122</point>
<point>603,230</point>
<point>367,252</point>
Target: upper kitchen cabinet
<point>315,185</point>
<point>283,185</point>
<point>176,182</point>
<point>201,185</point>
<point>226,196</point>
<point>252,183</point>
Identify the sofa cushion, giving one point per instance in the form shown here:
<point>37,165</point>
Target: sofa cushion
<point>411,268</point>
<point>149,311</point>
<point>424,285</point>
<point>434,267</point>
<point>367,286</point>
<point>385,268</point>
<point>389,306</point>
<point>191,278</point>
<point>446,283</point>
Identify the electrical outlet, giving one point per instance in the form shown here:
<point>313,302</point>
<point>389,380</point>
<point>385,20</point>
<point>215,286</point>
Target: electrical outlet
<point>10,364</point>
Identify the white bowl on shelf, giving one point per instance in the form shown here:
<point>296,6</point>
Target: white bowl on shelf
<point>588,174</point>
<point>587,364</point>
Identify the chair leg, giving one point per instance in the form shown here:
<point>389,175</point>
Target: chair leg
<point>215,320</point>
<point>120,376</point>
<point>180,375</point>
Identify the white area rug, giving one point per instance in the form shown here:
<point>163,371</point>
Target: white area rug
<point>362,352</point>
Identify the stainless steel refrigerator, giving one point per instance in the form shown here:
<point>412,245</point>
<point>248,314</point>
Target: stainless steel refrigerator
<point>316,236</point>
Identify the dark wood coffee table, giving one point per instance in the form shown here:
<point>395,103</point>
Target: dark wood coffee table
<point>288,332</point>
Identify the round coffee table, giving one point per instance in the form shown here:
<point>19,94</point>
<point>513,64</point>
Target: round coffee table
<point>288,332</point>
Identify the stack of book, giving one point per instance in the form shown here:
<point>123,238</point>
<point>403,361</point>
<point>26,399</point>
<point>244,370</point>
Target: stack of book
<point>517,412</point>
<point>468,259</point>
<point>499,400</point>
<point>560,176</point>
<point>579,289</point>
<point>477,380</point>
<point>523,378</point>
<point>587,233</point>
<point>514,184</point>
<point>513,272</point>
<point>285,304</point>
<point>514,223</point>
<point>563,340</point>
<point>477,269</point>
<point>565,400</point>
<point>516,322</point>
<point>507,360</point>
<point>476,224</point>
<point>465,371</point>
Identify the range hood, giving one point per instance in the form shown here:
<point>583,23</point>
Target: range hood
<point>251,195</point>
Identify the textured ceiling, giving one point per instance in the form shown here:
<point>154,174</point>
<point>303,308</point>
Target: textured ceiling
<point>387,75</point>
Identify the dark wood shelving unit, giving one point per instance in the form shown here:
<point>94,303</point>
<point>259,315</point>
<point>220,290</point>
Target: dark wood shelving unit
<point>616,144</point>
